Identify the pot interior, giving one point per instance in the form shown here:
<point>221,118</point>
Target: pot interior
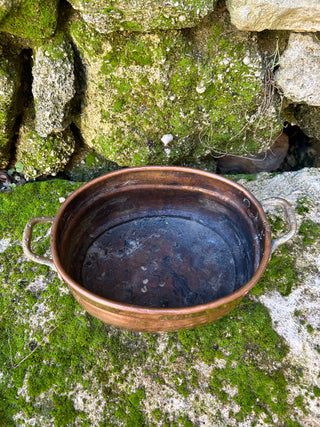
<point>160,241</point>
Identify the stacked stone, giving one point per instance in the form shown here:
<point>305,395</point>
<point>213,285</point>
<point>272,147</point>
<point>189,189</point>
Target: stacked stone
<point>298,73</point>
<point>122,76</point>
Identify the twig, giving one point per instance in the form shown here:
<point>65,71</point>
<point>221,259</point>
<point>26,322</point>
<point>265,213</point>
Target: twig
<point>36,348</point>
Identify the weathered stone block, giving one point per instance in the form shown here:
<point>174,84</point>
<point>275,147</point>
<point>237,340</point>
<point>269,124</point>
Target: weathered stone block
<point>204,87</point>
<point>29,19</point>
<point>298,75</point>
<point>53,85</point>
<point>42,156</point>
<point>142,15</point>
<point>259,15</point>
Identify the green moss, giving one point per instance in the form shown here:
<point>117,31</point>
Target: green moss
<point>160,15</point>
<point>303,206</point>
<point>88,38</point>
<point>184,421</point>
<point>310,329</point>
<point>310,232</point>
<point>43,156</point>
<point>63,412</point>
<point>40,199</point>
<point>316,391</point>
<point>10,76</point>
<point>156,414</point>
<point>280,274</point>
<point>129,409</point>
<point>300,403</point>
<point>53,350</point>
<point>35,20</point>
<point>203,93</point>
<point>56,49</point>
<point>235,338</point>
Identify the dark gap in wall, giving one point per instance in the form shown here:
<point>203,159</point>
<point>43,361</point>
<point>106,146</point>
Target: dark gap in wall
<point>25,98</point>
<point>26,78</point>
<point>80,82</point>
<point>303,151</point>
<point>65,11</point>
<point>293,150</point>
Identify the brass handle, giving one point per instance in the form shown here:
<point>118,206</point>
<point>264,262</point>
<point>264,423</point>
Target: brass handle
<point>290,217</point>
<point>26,241</point>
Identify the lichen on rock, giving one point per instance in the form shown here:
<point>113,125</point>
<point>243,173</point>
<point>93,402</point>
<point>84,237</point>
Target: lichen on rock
<point>204,86</point>
<point>53,85</point>
<point>43,156</point>
<point>142,15</point>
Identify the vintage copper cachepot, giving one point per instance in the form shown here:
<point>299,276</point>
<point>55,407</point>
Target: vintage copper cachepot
<point>160,248</point>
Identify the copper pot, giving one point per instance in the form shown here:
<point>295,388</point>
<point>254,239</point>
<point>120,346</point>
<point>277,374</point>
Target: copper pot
<point>160,248</point>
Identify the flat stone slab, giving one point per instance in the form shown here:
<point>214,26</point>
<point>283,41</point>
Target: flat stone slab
<point>259,365</point>
<point>259,15</point>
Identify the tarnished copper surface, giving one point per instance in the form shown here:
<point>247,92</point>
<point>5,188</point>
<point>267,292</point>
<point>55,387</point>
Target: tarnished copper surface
<point>160,248</point>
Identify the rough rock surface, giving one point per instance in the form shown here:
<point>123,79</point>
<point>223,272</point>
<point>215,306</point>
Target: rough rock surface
<point>298,74</point>
<point>204,86</point>
<point>42,156</point>
<point>295,316</point>
<point>10,73</point>
<point>53,85</point>
<point>259,15</point>
<point>308,119</point>
<point>142,15</point>
<point>259,365</point>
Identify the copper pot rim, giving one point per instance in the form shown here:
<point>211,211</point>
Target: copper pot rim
<point>130,308</point>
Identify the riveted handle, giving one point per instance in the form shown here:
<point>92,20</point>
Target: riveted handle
<point>290,217</point>
<point>26,241</point>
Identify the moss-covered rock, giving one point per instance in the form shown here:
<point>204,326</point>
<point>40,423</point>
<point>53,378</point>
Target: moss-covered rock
<point>60,366</point>
<point>10,73</point>
<point>162,97</point>
<point>43,156</point>
<point>29,19</point>
<point>86,164</point>
<point>142,15</point>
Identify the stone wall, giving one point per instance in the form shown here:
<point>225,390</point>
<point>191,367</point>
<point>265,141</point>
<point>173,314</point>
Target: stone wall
<point>143,82</point>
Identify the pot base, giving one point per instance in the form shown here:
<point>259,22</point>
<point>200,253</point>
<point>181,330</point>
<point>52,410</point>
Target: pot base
<point>161,261</point>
